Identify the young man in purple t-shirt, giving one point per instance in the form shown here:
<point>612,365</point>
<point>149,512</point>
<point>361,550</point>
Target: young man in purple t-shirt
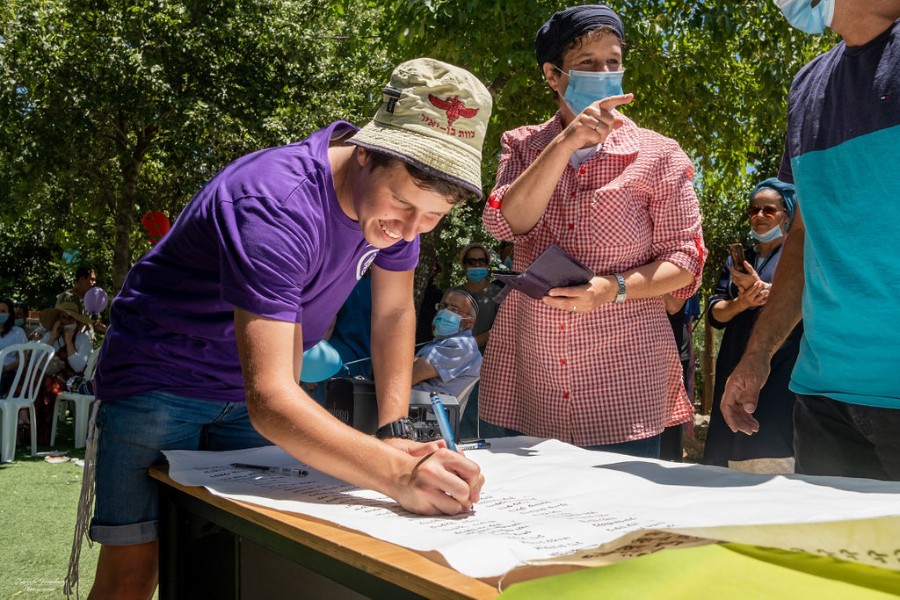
<point>207,335</point>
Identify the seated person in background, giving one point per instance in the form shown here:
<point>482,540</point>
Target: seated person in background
<point>20,310</point>
<point>10,334</point>
<point>67,331</point>
<point>452,361</point>
<point>475,261</point>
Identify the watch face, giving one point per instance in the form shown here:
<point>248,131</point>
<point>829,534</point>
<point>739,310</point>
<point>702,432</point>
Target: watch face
<point>401,428</point>
<point>409,431</point>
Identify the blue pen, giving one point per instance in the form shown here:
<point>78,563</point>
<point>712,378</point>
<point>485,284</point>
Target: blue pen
<point>440,414</point>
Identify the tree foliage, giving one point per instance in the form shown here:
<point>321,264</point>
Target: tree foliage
<point>712,75</point>
<point>112,108</point>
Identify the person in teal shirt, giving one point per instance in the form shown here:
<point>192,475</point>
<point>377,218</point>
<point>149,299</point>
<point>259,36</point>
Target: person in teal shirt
<point>840,257</point>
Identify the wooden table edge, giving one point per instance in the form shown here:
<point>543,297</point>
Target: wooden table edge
<point>396,564</point>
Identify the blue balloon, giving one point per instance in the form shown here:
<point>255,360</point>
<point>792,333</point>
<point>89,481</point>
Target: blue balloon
<point>320,362</point>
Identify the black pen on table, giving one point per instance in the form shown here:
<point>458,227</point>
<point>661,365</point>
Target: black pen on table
<point>280,470</point>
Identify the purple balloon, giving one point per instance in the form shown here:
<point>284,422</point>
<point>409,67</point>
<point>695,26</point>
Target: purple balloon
<point>95,300</point>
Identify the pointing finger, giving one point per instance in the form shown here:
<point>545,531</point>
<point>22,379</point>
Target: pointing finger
<point>614,101</point>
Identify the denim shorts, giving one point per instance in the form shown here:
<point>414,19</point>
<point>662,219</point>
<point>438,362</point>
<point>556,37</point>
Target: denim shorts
<point>131,434</point>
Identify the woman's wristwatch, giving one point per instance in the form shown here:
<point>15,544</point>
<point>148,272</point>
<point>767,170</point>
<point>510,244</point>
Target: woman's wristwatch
<point>621,294</point>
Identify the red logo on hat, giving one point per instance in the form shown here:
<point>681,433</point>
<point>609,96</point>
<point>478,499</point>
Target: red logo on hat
<point>455,109</point>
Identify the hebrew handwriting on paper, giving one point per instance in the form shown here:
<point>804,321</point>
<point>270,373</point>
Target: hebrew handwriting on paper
<point>547,501</point>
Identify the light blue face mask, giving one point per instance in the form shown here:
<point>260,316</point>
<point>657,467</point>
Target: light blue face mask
<point>476,274</point>
<point>445,323</point>
<point>3,318</point>
<point>586,87</point>
<point>805,17</point>
<point>769,236</point>
<point>19,322</point>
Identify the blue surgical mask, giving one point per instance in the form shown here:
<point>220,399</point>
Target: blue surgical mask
<point>19,322</point>
<point>445,323</point>
<point>803,16</point>
<point>586,87</point>
<point>508,262</point>
<point>3,318</point>
<point>476,274</point>
<point>769,236</point>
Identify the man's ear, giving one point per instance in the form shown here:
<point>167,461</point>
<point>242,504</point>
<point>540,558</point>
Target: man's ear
<point>362,155</point>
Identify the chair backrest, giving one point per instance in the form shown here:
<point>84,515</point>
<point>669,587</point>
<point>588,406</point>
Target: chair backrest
<point>34,357</point>
<point>463,397</point>
<point>91,366</point>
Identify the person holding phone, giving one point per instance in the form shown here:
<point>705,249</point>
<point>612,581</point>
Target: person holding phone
<point>742,291</point>
<point>594,365</point>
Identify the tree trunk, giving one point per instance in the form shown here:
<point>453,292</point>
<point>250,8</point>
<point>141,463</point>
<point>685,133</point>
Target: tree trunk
<point>427,263</point>
<point>125,212</point>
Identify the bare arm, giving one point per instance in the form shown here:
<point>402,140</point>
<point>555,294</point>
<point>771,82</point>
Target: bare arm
<point>673,304</point>
<point>393,339</point>
<point>422,370</point>
<point>271,358</point>
<point>527,198</point>
<point>653,279</point>
<point>778,319</point>
<point>756,295</point>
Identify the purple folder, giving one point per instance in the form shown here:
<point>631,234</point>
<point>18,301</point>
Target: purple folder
<point>552,269</point>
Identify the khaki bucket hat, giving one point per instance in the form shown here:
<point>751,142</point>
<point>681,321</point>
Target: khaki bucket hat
<point>433,116</point>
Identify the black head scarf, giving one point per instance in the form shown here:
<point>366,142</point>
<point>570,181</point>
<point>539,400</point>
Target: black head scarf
<point>567,25</point>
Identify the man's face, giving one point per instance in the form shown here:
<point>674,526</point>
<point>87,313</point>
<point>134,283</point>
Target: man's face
<point>390,207</point>
<point>83,284</point>
<point>459,304</point>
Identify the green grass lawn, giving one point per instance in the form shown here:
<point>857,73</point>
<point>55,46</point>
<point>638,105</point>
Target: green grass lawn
<point>37,517</point>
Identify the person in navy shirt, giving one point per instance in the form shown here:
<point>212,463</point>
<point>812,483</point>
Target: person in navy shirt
<point>839,264</point>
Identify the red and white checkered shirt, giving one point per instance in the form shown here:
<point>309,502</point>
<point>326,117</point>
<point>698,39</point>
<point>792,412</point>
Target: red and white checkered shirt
<point>612,375</point>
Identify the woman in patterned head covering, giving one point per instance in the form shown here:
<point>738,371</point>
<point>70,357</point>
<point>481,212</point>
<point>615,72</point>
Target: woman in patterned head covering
<point>742,291</point>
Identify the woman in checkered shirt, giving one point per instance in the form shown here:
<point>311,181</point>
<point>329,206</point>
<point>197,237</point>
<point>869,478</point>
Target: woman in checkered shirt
<point>594,365</point>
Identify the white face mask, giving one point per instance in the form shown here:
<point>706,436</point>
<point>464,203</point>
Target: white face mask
<point>769,236</point>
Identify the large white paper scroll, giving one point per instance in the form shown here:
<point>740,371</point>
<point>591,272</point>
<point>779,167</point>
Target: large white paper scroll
<point>544,499</point>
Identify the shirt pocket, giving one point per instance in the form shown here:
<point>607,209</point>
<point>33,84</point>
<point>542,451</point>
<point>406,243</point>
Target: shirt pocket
<point>620,224</point>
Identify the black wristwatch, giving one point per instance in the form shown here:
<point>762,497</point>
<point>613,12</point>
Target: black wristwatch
<point>401,428</point>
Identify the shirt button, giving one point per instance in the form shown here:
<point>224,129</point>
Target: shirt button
<point>565,395</point>
<point>571,226</point>
<point>563,362</point>
<point>562,327</point>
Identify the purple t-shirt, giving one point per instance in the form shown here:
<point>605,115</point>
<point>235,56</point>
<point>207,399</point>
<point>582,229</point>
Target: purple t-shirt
<point>266,234</point>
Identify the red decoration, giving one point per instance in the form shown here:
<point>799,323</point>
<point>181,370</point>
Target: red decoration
<point>156,223</point>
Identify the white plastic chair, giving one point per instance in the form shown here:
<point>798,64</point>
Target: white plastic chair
<point>463,397</point>
<point>81,402</point>
<point>34,357</point>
